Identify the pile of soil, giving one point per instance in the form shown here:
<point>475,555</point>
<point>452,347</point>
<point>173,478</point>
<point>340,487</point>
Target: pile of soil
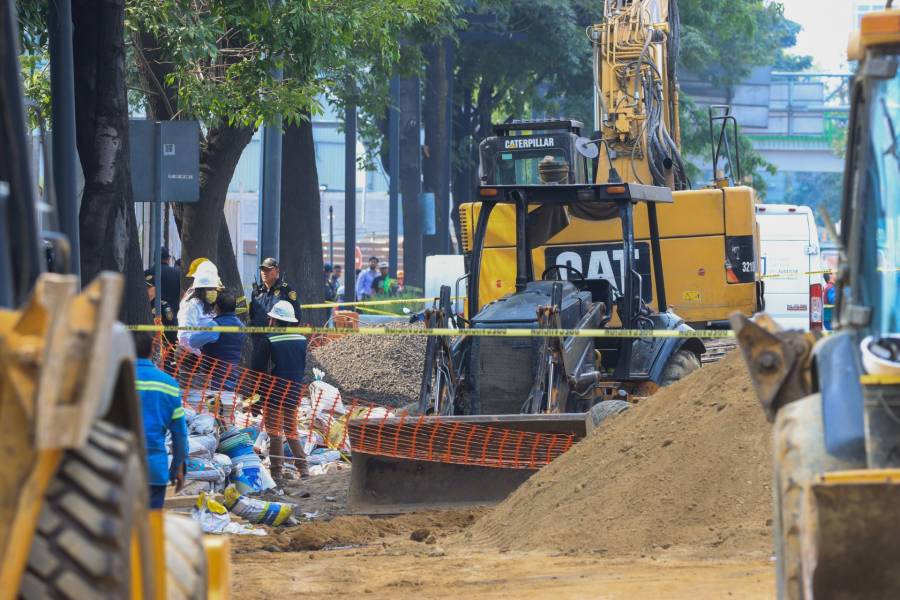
<point>684,473</point>
<point>384,369</point>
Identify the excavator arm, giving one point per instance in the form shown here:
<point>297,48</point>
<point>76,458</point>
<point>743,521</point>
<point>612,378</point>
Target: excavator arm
<point>635,52</point>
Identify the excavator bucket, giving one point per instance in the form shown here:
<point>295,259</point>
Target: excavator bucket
<point>437,463</point>
<point>850,545</point>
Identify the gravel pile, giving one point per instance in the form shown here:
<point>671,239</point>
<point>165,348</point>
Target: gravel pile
<point>384,369</point>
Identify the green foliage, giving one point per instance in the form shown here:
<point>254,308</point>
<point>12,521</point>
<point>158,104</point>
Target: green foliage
<point>724,39</point>
<point>836,132</point>
<point>814,190</point>
<point>224,53</point>
<point>35,70</point>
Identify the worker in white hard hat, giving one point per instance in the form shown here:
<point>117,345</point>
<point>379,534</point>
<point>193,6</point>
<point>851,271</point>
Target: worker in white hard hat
<point>282,355</point>
<point>197,306</point>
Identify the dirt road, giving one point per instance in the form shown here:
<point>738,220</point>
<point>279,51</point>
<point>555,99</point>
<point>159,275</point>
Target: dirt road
<point>358,557</point>
<point>409,570</point>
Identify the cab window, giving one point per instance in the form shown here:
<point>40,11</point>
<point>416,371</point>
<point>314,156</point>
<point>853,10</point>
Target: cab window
<point>520,167</point>
<point>881,200</point>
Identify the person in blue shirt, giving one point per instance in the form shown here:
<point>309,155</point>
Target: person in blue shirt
<point>365,279</point>
<point>162,412</point>
<point>286,352</point>
<point>223,346</point>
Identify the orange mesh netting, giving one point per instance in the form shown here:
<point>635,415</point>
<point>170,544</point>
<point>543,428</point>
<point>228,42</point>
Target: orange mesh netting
<point>243,397</point>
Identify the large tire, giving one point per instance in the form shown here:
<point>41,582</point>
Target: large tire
<point>602,410</point>
<point>95,503</point>
<point>186,569</point>
<point>680,365</point>
<point>798,448</point>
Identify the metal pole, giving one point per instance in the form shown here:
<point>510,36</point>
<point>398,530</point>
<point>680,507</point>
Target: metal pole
<point>350,202</point>
<point>62,112</point>
<point>270,185</point>
<point>446,205</point>
<point>331,234</point>
<point>394,175</point>
<point>156,217</point>
<point>270,191</point>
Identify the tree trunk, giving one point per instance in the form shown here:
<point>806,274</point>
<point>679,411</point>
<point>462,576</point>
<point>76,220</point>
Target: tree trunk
<point>461,169</point>
<point>410,182</point>
<point>301,223</point>
<point>108,227</point>
<point>437,143</point>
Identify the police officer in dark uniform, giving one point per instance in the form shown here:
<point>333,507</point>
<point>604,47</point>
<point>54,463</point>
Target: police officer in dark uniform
<point>286,353</point>
<point>268,292</point>
<point>170,290</point>
<point>169,315</point>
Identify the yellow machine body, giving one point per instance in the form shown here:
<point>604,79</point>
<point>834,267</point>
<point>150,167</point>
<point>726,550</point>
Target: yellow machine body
<point>64,362</point>
<point>694,231</point>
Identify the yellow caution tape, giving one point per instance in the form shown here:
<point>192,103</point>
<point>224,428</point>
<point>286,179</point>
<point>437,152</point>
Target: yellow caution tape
<point>790,274</point>
<point>375,311</point>
<point>608,333</point>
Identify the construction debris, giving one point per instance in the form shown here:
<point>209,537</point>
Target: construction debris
<point>383,369</point>
<point>686,471</point>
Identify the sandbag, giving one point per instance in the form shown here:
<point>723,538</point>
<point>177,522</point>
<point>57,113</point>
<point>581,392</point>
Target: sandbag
<point>202,424</point>
<point>258,511</point>
<point>201,469</point>
<point>202,446</point>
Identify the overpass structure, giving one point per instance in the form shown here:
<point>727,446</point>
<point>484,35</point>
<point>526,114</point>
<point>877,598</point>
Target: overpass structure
<point>796,121</point>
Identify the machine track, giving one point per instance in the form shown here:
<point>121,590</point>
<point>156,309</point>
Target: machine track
<point>716,349</point>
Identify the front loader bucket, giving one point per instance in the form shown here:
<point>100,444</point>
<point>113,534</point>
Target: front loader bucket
<point>411,464</point>
<point>851,535</point>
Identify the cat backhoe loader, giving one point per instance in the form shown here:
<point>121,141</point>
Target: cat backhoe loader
<point>835,401</point>
<point>74,517</point>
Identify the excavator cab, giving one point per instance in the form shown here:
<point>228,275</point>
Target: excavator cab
<point>516,151</point>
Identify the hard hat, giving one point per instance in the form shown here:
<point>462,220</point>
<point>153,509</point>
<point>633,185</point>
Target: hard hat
<point>383,264</point>
<point>283,311</point>
<point>195,264</point>
<point>206,280</point>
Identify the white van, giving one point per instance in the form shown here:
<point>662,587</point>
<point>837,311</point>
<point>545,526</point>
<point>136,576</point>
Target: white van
<point>791,265</point>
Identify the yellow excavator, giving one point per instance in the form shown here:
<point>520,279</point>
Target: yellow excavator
<point>835,401</point>
<point>74,517</point>
<point>708,236</point>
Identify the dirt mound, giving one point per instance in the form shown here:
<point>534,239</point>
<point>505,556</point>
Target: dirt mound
<point>685,472</point>
<point>356,531</point>
<point>384,369</point>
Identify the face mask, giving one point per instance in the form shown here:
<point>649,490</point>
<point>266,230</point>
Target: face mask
<point>211,296</point>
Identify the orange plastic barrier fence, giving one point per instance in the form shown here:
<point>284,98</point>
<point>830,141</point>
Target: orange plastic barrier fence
<point>431,439</point>
<point>244,397</point>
